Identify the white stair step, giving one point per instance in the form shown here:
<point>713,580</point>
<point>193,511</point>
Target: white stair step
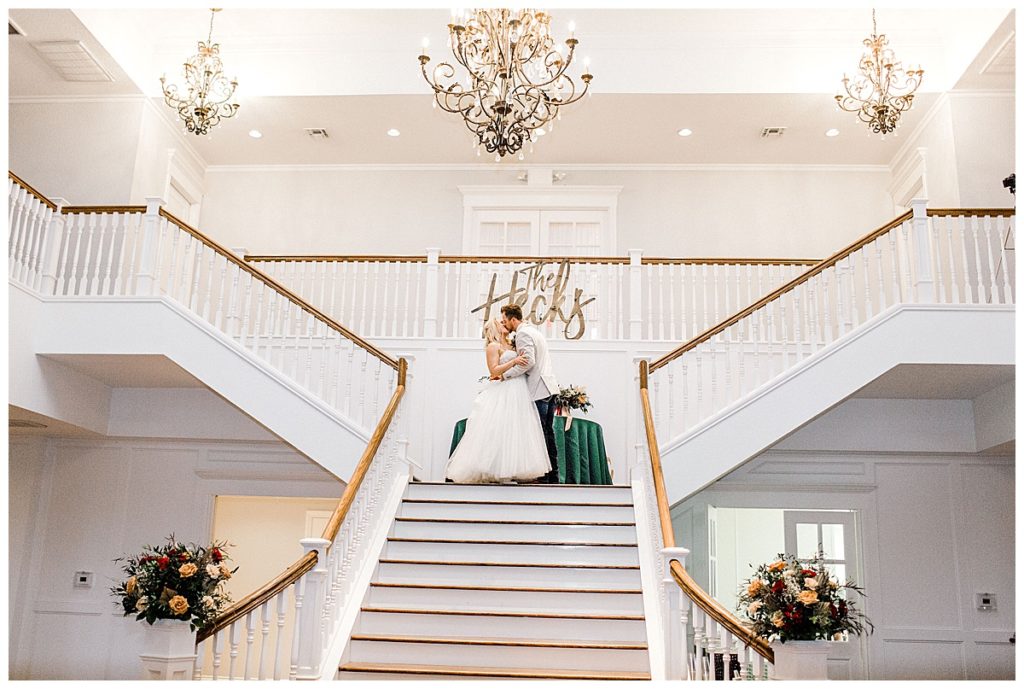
<point>502,624</point>
<point>536,599</point>
<point>469,551</point>
<point>408,527</point>
<point>507,575</point>
<point>520,493</point>
<point>510,653</point>
<point>520,511</point>
<point>402,671</point>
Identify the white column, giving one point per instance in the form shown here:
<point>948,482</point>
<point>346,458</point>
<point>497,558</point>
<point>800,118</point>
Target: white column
<point>169,650</point>
<point>51,249</point>
<point>924,285</point>
<point>635,297</point>
<point>430,305</point>
<point>150,236</point>
<point>676,649</point>
<point>307,627</point>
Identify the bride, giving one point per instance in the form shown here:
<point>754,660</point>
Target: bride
<point>503,438</point>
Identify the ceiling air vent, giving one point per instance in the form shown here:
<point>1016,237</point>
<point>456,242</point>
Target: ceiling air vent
<point>317,133</point>
<point>23,423</point>
<point>772,132</point>
<point>72,61</point>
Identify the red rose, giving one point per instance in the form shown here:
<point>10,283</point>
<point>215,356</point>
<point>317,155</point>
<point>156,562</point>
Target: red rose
<point>778,586</point>
<point>810,573</point>
<point>217,556</point>
<point>832,610</point>
<point>163,562</point>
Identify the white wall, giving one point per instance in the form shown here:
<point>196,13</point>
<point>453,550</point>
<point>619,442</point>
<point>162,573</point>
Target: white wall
<point>78,504</point>
<point>936,526</point>
<point>735,211</point>
<point>83,150</point>
<point>994,417</point>
<point>985,140</point>
<point>158,142</point>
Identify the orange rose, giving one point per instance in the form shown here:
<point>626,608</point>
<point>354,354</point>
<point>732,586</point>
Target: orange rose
<point>776,566</point>
<point>808,597</point>
<point>129,586</point>
<point>188,569</point>
<point>755,587</point>
<point>178,605</point>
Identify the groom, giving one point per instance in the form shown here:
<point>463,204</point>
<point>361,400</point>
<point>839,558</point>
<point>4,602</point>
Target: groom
<point>540,378</point>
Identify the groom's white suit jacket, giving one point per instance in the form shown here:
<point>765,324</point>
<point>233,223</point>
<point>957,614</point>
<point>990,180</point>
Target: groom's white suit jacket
<point>540,375</point>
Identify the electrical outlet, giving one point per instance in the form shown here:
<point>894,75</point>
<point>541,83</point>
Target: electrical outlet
<point>83,580</point>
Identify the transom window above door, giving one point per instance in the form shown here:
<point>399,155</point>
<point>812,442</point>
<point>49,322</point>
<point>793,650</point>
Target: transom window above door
<point>539,221</point>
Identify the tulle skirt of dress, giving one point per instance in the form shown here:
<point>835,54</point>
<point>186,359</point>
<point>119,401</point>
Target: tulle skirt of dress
<point>503,438</point>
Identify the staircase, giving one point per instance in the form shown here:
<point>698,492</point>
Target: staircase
<point>505,581</point>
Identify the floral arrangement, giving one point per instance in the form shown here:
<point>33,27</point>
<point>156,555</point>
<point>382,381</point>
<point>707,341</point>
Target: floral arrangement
<point>792,601</point>
<point>175,582</point>
<point>573,397</point>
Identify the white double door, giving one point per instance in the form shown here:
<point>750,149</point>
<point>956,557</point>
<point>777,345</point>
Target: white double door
<point>540,233</point>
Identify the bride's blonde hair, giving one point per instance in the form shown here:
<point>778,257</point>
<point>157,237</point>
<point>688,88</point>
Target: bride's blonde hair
<point>492,332</point>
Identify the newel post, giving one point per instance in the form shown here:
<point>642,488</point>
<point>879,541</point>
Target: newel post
<point>52,240</point>
<point>924,283</point>
<point>635,294</point>
<point>146,282</point>
<point>307,625</point>
<point>430,306</point>
<point>676,618</point>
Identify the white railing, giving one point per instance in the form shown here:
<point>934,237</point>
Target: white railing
<point>937,256</point>
<point>296,626</point>
<point>142,251</point>
<point>692,643</point>
<point>597,298</point>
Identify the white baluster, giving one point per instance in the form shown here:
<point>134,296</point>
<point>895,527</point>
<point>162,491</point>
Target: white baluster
<point>217,653</point>
<point>986,223</point>
<point>1008,297</point>
<point>293,665</point>
<point>264,640</point>
<point>250,643</point>
<point>233,631</point>
<point>636,320</point>
<point>365,283</point>
<point>331,310</point>
<point>282,601</point>
<point>980,284</point>
<point>197,666</point>
<point>209,285</point>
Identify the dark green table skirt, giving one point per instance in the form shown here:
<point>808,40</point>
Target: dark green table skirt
<point>581,454</point>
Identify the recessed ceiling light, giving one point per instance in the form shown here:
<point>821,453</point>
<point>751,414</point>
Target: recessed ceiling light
<point>256,133</point>
<point>832,132</point>
<point>685,132</point>
<point>394,132</point>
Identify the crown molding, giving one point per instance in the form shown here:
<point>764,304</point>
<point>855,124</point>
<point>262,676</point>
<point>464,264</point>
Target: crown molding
<point>911,142</point>
<point>113,98</point>
<point>588,167</point>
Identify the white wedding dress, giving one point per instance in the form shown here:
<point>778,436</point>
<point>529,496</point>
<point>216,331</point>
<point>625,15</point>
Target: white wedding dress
<point>503,438</point>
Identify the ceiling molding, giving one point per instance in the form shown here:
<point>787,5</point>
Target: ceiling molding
<point>196,158</point>
<point>594,167</point>
<point>113,98</point>
<point>911,143</point>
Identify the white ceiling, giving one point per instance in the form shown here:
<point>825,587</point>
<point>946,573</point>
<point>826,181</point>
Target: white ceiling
<point>134,371</point>
<point>936,382</point>
<point>724,73</point>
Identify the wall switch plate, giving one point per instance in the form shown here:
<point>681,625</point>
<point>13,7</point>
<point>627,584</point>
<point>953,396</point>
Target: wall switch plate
<point>985,602</point>
<point>83,580</point>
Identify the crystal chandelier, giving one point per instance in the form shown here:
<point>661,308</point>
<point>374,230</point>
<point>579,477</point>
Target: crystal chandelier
<point>883,91</point>
<point>516,79</point>
<point>208,89</point>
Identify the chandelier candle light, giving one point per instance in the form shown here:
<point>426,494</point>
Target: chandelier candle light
<point>883,91</point>
<point>516,79</point>
<point>209,91</point>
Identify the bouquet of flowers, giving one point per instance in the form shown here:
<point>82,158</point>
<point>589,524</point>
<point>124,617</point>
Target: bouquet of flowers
<point>573,397</point>
<point>789,600</point>
<point>175,582</point>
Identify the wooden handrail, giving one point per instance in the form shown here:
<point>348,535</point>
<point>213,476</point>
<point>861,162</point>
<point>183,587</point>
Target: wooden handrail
<point>349,496</point>
<point>991,212</point>
<point>613,260</point>
<point>281,289</point>
<point>309,560</point>
<point>691,588</point>
<point>795,282</point>
<point>32,190</point>
<point>261,595</point>
<point>68,210</point>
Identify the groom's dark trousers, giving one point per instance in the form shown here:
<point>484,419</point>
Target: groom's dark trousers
<point>546,411</point>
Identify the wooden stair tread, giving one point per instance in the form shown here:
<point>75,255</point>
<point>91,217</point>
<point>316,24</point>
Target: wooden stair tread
<point>503,613</point>
<point>497,641</point>
<point>495,521</point>
<point>399,668</point>
<point>423,501</point>
<point>556,565</point>
<point>528,589</point>
<point>482,542</point>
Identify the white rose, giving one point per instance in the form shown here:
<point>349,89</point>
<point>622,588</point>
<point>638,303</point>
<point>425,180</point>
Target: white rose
<point>208,602</point>
<point>811,583</point>
<point>754,607</point>
<point>213,571</point>
<point>142,603</point>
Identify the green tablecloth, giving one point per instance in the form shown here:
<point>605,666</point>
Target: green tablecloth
<point>581,454</point>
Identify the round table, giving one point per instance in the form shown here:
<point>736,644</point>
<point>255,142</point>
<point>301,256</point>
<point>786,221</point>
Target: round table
<point>581,454</point>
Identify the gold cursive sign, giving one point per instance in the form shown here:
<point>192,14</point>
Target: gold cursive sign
<point>545,290</point>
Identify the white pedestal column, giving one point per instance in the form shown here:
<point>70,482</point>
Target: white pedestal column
<point>168,650</point>
<point>801,660</point>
